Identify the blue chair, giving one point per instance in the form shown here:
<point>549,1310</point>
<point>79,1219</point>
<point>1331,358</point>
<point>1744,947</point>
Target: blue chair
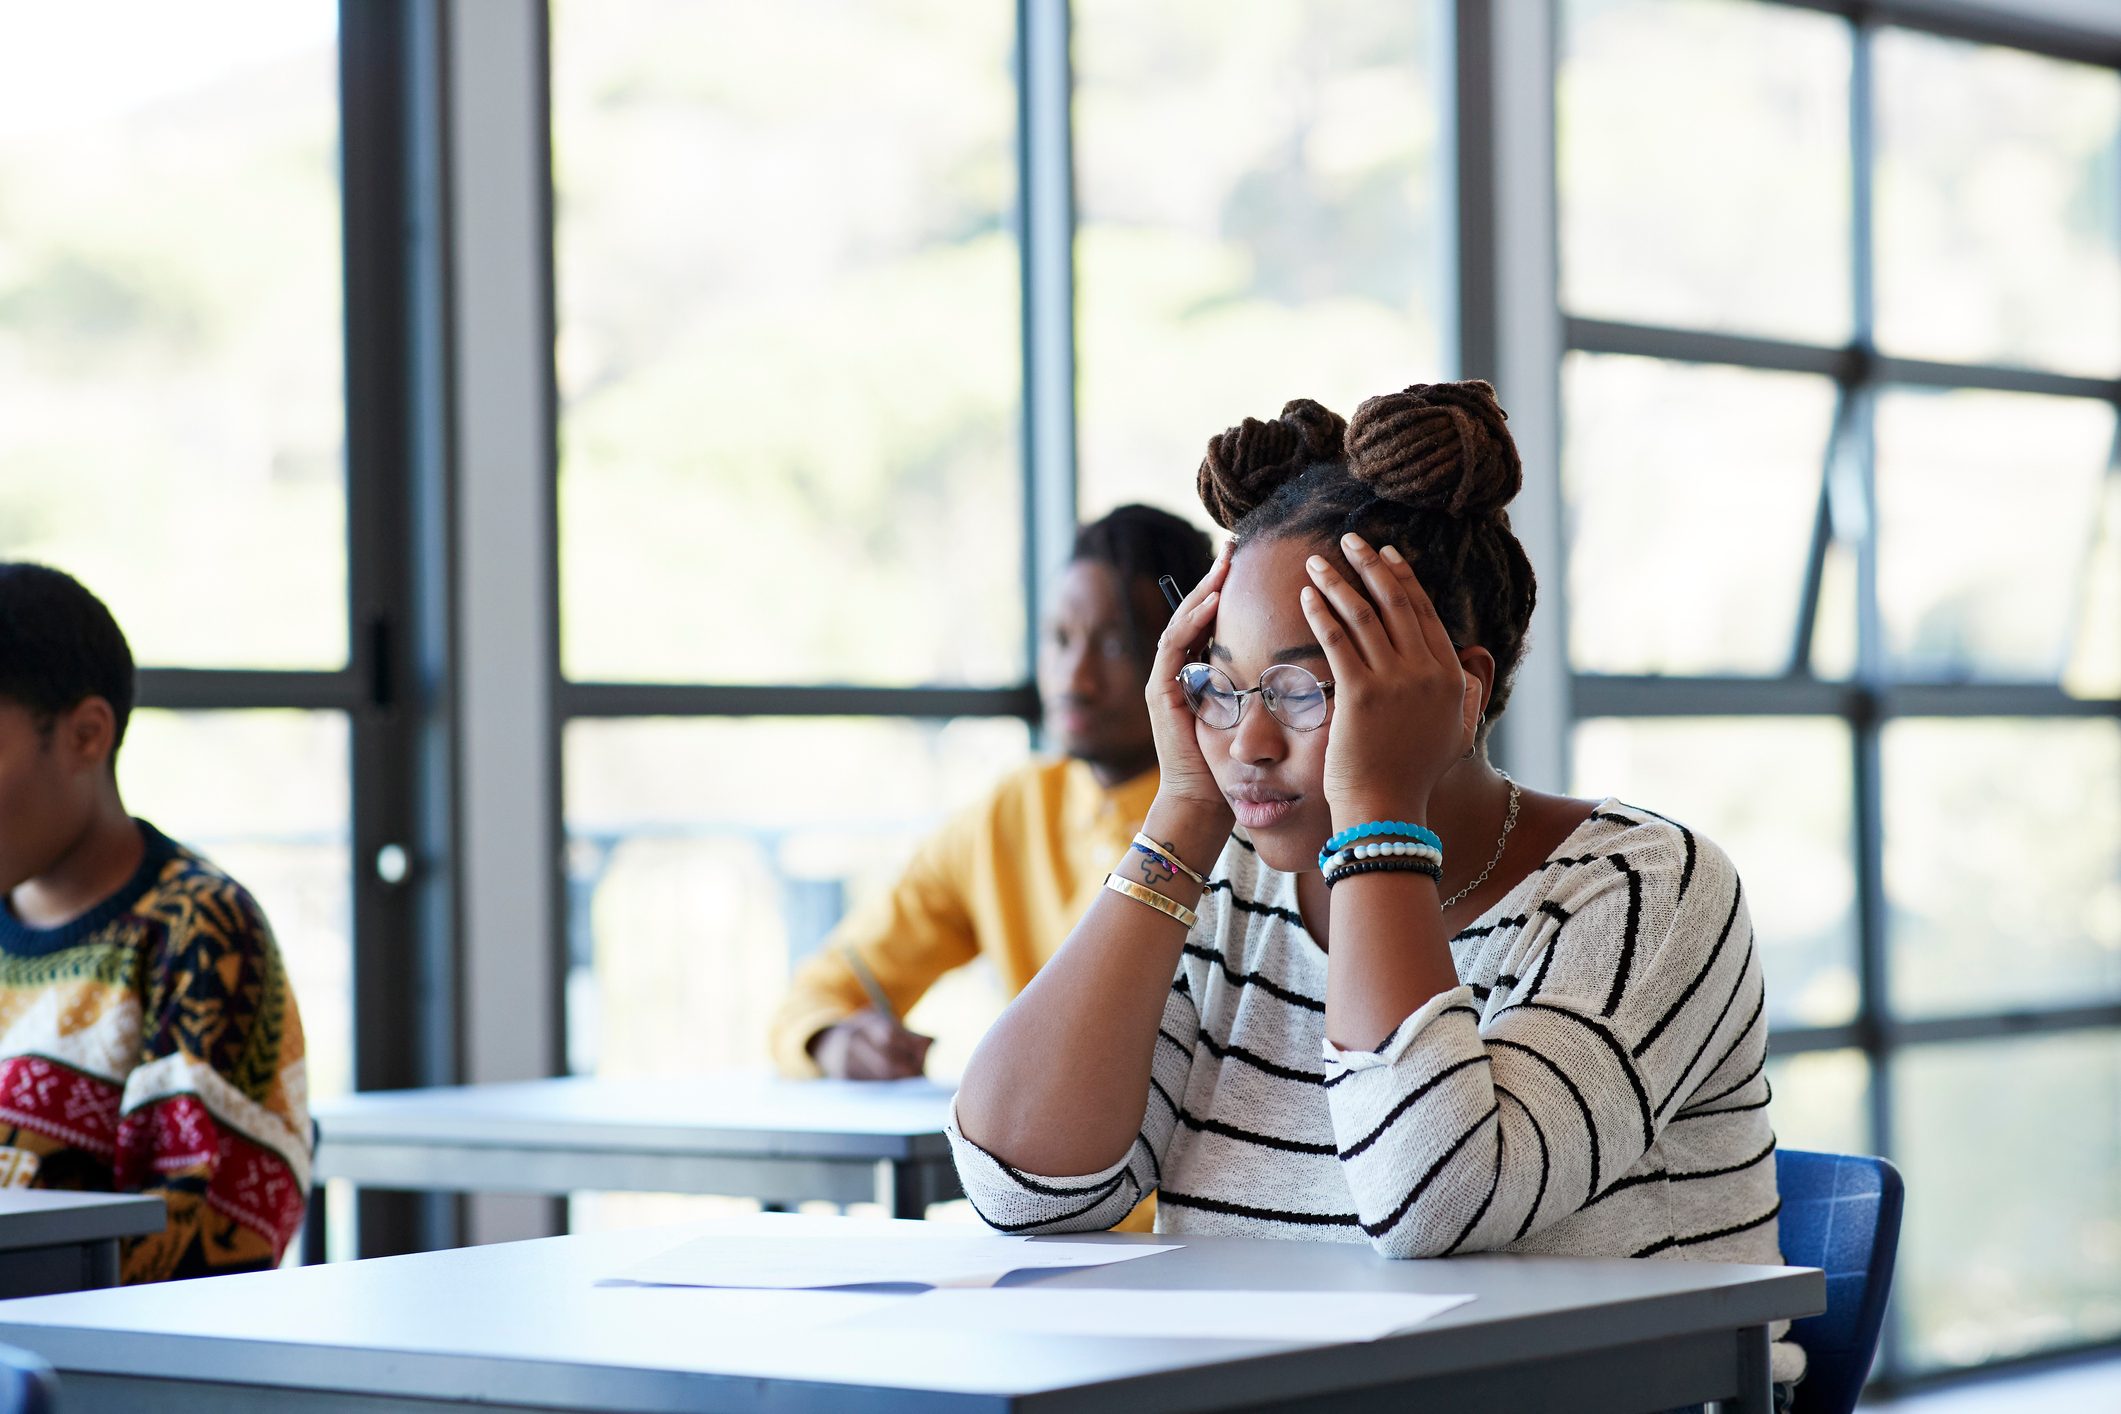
<point>1840,1213</point>
<point>27,1384</point>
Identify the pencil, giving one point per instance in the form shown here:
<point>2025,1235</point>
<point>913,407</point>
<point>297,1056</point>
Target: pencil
<point>877,999</point>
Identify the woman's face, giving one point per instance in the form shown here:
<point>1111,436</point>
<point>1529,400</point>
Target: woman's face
<point>1272,775</point>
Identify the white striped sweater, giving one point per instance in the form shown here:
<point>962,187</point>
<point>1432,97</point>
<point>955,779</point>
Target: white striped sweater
<point>1594,1087</point>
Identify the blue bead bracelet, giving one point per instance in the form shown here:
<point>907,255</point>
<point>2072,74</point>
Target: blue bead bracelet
<point>1403,828</point>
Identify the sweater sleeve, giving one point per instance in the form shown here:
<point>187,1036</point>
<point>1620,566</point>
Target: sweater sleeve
<point>215,1117</point>
<point>1009,1200</point>
<point>907,938</point>
<point>1467,1131</point>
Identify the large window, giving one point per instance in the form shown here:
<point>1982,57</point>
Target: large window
<point>1844,315</point>
<point>1262,210</point>
<point>797,516</point>
<point>171,349</point>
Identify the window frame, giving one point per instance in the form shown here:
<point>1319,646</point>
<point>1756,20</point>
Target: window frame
<point>1871,699</point>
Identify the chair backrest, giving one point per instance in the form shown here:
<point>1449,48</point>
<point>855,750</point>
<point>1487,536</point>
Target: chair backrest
<point>1840,1213</point>
<point>27,1384</point>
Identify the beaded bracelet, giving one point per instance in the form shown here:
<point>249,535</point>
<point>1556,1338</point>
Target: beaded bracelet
<point>1383,827</point>
<point>1399,864</point>
<point>1381,850</point>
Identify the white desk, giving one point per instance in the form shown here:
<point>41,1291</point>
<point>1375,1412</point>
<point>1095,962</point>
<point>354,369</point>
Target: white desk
<point>746,1135</point>
<point>523,1327</point>
<point>54,1240</point>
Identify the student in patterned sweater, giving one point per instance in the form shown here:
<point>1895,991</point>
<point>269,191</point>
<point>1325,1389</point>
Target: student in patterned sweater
<point>149,1041</point>
<point>1527,1023</point>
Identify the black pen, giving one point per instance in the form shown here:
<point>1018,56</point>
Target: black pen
<point>1171,594</point>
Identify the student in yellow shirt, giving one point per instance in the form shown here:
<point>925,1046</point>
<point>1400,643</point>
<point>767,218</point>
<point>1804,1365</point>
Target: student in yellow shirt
<point>1010,877</point>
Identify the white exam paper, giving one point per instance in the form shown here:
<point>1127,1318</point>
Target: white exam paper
<point>1292,1317</point>
<point>924,1258</point>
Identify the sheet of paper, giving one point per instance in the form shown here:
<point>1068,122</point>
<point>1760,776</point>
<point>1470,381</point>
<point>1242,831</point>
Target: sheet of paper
<point>924,1258</point>
<point>1290,1317</point>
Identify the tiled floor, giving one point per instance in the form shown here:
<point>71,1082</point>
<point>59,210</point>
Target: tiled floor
<point>2074,1389</point>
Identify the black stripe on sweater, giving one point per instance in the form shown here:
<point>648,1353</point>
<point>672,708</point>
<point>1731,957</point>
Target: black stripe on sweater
<point>1056,1218</point>
<point>1504,983</point>
<point>1745,968</point>
<point>1406,1204</point>
<point>1333,1080</point>
<point>1533,1211</point>
<point>1258,1062</point>
<point>1102,1188</point>
<point>1620,1054</point>
<point>1590,1125</point>
<point>1698,1238</point>
<point>1626,1181</point>
<point>1486,928</point>
<point>1686,869</point>
<point>1265,910</point>
<point>1730,1090</point>
<point>1627,942</point>
<point>1650,1038</point>
<point>1175,1199</point>
<point>1728,1110</point>
<point>1727,1169</point>
<point>1759,1006</point>
<point>1494,1185</point>
<point>1253,979</point>
<point>1407,1102</point>
<point>1247,1136</point>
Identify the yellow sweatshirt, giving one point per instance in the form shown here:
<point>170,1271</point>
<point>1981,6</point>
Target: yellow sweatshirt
<point>1008,878</point>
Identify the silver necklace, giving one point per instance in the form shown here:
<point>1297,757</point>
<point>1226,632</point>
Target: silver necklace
<point>1509,823</point>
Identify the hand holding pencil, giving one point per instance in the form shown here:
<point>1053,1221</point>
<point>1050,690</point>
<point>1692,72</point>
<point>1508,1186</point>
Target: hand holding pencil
<point>872,1044</point>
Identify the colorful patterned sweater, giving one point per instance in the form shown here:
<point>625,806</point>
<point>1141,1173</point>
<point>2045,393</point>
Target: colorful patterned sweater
<point>152,1046</point>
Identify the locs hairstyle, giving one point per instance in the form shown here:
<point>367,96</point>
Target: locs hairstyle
<point>1428,469</point>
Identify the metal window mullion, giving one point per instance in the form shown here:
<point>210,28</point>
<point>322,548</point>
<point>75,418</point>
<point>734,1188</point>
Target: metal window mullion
<point>1046,251</point>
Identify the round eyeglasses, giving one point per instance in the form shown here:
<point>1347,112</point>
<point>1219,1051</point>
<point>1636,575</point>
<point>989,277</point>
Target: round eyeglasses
<point>1295,698</point>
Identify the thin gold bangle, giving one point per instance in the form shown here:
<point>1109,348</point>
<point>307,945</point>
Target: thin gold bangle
<point>1170,907</point>
<point>1170,856</point>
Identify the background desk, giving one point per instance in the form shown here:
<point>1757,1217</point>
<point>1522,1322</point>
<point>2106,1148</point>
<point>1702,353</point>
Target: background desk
<point>745,1135</point>
<point>52,1240</point>
<point>522,1326</point>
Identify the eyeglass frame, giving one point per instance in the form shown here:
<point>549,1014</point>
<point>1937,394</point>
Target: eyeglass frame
<point>1259,688</point>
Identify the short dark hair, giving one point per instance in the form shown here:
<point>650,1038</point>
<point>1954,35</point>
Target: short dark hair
<point>1142,543</point>
<point>59,646</point>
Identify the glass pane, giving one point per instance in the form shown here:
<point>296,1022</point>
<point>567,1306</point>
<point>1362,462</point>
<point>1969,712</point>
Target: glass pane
<point>2012,1238</point>
<point>2095,659</point>
<point>2003,863</point>
<point>1998,205</point>
<point>1822,1102</point>
<point>707,856</point>
<point>1262,217</point>
<point>1987,508</point>
<point>1703,152</point>
<point>1775,794</point>
<point>1659,461</point>
<point>788,341</point>
<point>264,794</point>
<point>169,320</point>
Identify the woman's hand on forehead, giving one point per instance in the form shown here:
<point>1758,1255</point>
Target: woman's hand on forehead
<point>1405,710</point>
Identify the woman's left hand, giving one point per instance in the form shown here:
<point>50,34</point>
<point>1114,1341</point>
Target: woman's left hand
<point>1404,710</point>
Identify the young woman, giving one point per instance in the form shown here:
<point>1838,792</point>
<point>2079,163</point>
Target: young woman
<point>1526,1023</point>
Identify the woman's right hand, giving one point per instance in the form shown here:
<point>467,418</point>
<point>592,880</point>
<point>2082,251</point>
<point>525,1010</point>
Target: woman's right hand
<point>1187,798</point>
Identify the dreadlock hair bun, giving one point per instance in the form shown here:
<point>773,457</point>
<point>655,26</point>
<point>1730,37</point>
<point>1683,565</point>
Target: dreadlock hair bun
<point>1439,447</point>
<point>1249,462</point>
